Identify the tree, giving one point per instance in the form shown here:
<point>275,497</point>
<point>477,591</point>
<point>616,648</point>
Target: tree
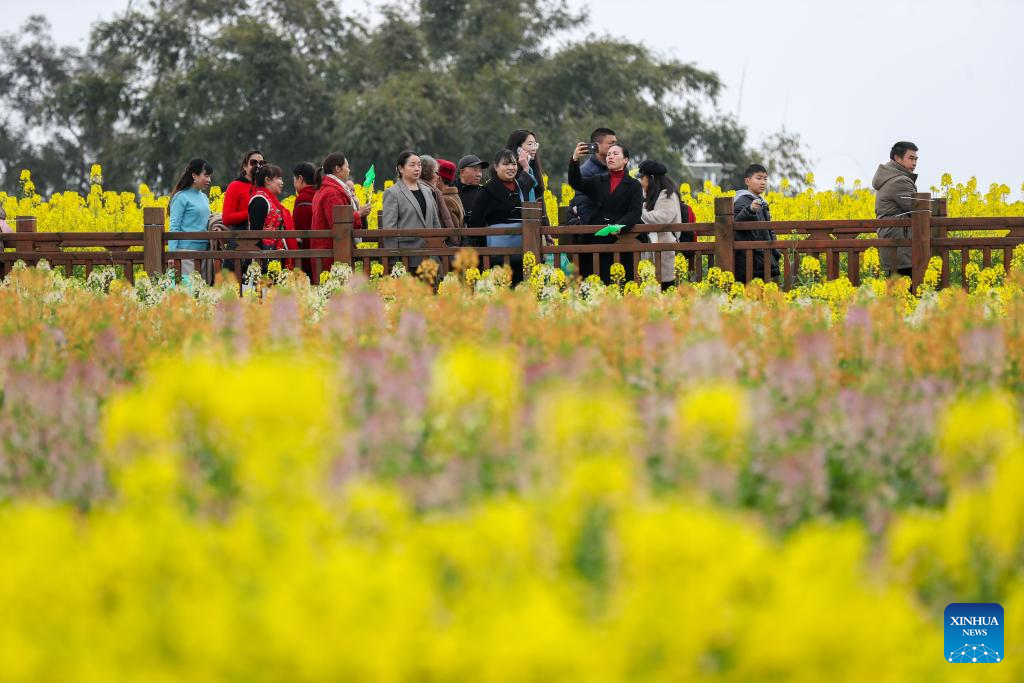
<point>174,79</point>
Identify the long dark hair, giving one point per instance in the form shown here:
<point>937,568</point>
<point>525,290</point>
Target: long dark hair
<point>195,167</point>
<point>658,183</point>
<point>245,160</point>
<point>515,140</point>
<point>331,162</point>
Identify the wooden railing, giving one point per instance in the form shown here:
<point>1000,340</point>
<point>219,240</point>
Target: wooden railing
<point>839,243</point>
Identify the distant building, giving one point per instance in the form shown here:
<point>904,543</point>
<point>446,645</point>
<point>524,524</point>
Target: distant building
<point>709,171</point>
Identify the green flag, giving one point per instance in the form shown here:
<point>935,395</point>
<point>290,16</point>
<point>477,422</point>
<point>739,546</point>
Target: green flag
<point>609,230</point>
<point>371,175</point>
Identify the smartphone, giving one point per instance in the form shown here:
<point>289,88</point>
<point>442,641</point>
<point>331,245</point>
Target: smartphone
<point>592,148</point>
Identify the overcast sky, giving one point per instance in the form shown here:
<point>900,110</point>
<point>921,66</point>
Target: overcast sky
<point>850,77</point>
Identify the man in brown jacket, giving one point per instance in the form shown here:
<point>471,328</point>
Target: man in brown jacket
<point>895,184</point>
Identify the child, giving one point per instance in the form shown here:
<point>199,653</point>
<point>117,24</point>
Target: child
<point>750,205</point>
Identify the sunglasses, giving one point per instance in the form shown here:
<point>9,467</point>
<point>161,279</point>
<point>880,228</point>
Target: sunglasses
<point>254,163</point>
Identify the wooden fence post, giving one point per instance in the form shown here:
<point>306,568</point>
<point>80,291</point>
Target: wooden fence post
<point>25,224</point>
<point>341,237</point>
<point>152,240</point>
<point>724,233</point>
<point>920,235</point>
<point>532,240</point>
<point>940,210</point>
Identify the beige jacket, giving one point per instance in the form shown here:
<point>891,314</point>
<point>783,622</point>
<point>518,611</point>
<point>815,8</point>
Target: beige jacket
<point>666,210</point>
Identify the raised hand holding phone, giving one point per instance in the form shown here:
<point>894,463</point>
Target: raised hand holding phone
<point>523,157</point>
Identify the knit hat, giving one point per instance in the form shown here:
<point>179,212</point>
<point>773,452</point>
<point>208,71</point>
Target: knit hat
<point>650,167</point>
<point>446,170</point>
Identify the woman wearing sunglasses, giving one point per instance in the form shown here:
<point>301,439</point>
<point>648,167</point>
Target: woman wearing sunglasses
<point>235,212</point>
<point>236,196</point>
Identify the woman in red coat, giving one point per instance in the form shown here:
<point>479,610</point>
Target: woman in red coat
<point>331,192</point>
<point>235,212</point>
<point>304,180</point>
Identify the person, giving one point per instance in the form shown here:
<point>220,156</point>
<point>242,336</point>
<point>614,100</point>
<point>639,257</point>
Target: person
<point>266,211</point>
<point>471,172</point>
<point>445,179</point>
<point>4,227</point>
<point>750,205</point>
<point>304,182</point>
<point>895,183</point>
<point>428,174</point>
<point>235,210</point>
<point>189,210</point>
<point>331,191</point>
<point>601,140</point>
<point>409,203</point>
<point>615,199</point>
<point>499,204</point>
<point>661,206</point>
<point>523,143</point>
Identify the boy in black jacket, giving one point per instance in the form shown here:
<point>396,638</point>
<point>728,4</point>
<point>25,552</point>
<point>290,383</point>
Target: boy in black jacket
<point>750,205</point>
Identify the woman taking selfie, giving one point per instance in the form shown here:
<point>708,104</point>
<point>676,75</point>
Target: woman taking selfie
<point>616,199</point>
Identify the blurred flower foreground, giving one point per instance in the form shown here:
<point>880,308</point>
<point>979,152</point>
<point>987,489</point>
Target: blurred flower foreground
<point>364,480</point>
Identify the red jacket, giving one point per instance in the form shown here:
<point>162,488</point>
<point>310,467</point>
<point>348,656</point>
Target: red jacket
<point>330,195</point>
<point>302,211</point>
<point>277,218</point>
<point>235,213</point>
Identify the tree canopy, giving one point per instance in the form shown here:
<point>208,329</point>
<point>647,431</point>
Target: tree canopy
<point>170,80</point>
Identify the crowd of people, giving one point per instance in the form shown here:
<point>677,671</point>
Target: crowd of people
<point>430,192</point>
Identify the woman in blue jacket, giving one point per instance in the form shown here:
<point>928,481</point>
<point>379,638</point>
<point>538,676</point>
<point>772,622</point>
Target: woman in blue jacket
<point>189,209</point>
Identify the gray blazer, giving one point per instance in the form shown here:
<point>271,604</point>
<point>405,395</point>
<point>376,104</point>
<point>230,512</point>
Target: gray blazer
<point>401,210</point>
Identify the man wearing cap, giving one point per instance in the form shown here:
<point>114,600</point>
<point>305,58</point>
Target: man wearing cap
<point>471,171</point>
<point>445,179</point>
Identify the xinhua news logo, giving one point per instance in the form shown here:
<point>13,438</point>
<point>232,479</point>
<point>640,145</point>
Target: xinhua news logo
<point>974,633</point>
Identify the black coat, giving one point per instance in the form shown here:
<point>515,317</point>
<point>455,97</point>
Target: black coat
<point>468,195</point>
<point>743,213</point>
<point>495,204</point>
<point>622,207</point>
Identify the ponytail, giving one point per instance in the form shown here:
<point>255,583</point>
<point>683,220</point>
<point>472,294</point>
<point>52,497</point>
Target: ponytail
<point>195,167</point>
<point>333,160</point>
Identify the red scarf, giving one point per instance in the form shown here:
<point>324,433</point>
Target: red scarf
<point>615,177</point>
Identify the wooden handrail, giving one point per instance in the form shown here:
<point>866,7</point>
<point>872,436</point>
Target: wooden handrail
<point>840,243</point>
